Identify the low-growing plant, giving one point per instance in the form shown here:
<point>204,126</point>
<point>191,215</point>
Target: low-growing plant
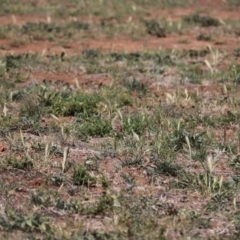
<point>116,99</point>
<point>204,37</point>
<point>137,123</point>
<point>134,161</point>
<point>82,177</point>
<point>160,57</point>
<point>8,124</point>
<point>16,43</point>
<point>203,21</point>
<point>163,148</point>
<point>16,221</point>
<point>104,205</point>
<point>134,85</point>
<point>194,74</point>
<point>234,74</point>
<point>105,182</point>
<point>67,206</point>
<point>95,126</point>
<point>51,30</point>
<point>193,53</point>
<point>236,52</point>
<point>24,163</point>
<point>91,54</point>
<point>31,107</point>
<point>232,2</point>
<point>167,168</point>
<point>237,222</point>
<point>41,198</point>
<point>15,61</point>
<point>76,103</point>
<point>154,28</point>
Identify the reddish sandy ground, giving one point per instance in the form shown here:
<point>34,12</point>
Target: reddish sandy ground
<point>187,40</point>
<point>226,43</point>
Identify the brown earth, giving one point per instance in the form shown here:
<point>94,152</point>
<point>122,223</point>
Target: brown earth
<point>187,40</point>
<point>126,44</point>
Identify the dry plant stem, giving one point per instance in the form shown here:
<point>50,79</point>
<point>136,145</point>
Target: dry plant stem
<point>117,125</point>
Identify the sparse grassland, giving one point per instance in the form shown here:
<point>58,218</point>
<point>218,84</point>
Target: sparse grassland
<point>170,74</point>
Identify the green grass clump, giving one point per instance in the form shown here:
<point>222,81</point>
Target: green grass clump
<point>117,98</point>
<point>233,3</point>
<point>16,221</point>
<point>138,123</point>
<point>82,177</point>
<point>94,126</point>
<point>135,86</point>
<point>203,21</point>
<point>42,30</point>
<point>103,205</point>
<point>75,103</point>
<point>236,52</point>
<point>159,57</point>
<point>234,73</point>
<point>8,124</point>
<point>154,28</point>
<point>24,164</point>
